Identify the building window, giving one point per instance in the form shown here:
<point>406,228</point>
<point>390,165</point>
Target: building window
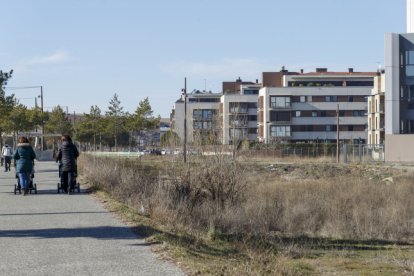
<point>409,63</point>
<point>252,130</point>
<point>331,98</point>
<point>297,113</point>
<point>358,113</point>
<point>279,102</point>
<point>252,105</point>
<point>238,120</point>
<point>238,133</point>
<point>350,99</point>
<point>198,125</point>
<point>314,113</point>
<point>280,131</point>
<point>303,99</point>
<point>252,117</point>
<point>251,92</point>
<point>330,128</point>
<point>280,116</point>
<point>236,107</point>
<point>203,114</point>
<point>309,99</point>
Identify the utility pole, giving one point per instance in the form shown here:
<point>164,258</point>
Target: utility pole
<point>185,120</point>
<point>41,106</point>
<point>43,123</point>
<point>337,133</point>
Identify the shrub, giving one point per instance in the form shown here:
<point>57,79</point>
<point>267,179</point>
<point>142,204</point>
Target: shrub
<point>216,194</point>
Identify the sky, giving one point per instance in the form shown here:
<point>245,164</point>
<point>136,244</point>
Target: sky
<point>82,52</point>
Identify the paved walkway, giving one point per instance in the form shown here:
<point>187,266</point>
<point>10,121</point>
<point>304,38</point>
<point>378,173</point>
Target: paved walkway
<point>59,234</point>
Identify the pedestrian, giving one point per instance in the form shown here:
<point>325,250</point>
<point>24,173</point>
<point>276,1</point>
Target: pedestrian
<point>24,157</point>
<point>67,155</point>
<point>7,153</point>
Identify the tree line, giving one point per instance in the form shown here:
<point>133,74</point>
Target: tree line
<point>113,128</point>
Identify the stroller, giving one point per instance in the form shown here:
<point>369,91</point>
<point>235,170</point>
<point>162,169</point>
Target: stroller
<point>60,184</point>
<point>32,185</point>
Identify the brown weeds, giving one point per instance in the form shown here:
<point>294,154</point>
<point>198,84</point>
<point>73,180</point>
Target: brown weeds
<point>217,195</point>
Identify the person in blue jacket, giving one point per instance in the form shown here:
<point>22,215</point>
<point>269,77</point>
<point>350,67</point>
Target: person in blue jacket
<point>24,157</point>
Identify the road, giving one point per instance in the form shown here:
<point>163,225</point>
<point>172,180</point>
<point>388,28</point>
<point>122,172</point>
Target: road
<point>58,234</point>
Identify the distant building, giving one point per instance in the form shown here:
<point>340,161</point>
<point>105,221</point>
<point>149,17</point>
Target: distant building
<point>302,107</point>
<point>165,125</point>
<point>399,96</point>
<point>376,111</point>
<point>238,114</point>
<point>201,116</point>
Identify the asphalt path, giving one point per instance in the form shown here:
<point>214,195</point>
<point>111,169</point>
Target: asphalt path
<point>59,234</point>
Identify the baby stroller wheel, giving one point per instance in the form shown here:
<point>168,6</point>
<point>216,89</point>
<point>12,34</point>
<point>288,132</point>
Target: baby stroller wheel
<point>78,187</point>
<point>15,189</point>
<point>35,188</point>
<point>58,188</point>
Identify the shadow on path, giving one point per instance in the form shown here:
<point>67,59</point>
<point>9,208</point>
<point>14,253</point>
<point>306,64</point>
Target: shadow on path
<point>52,213</point>
<point>103,233</point>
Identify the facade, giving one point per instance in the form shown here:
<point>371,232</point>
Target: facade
<point>399,96</point>
<point>201,117</point>
<point>287,107</point>
<point>238,114</point>
<point>376,111</point>
<point>305,107</point>
<point>399,81</point>
<point>219,117</point>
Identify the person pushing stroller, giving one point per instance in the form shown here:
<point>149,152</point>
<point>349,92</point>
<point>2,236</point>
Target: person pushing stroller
<point>24,157</point>
<point>67,155</point>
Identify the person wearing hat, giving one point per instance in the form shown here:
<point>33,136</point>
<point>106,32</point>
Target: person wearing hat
<point>7,153</point>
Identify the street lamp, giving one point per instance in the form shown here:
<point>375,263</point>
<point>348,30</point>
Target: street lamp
<point>185,120</point>
<point>41,106</point>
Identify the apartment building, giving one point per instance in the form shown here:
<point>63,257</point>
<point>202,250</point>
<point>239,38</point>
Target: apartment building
<point>376,111</point>
<point>201,117</point>
<point>399,96</point>
<point>219,117</point>
<point>303,107</point>
<point>238,114</point>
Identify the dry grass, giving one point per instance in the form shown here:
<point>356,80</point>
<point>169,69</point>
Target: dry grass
<point>272,217</point>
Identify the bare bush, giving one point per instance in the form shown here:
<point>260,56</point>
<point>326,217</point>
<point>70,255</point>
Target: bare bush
<point>218,194</point>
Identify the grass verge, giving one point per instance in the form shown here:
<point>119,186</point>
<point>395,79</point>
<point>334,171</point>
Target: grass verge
<point>198,254</point>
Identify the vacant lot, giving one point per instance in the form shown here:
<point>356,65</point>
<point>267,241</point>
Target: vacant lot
<point>218,216</point>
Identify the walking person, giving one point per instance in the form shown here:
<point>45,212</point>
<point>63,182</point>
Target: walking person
<point>24,157</point>
<point>7,153</point>
<point>67,155</point>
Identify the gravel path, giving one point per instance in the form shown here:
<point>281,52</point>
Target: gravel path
<point>58,234</point>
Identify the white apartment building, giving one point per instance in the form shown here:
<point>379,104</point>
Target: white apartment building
<point>376,111</point>
<point>202,116</point>
<point>219,117</point>
<point>238,114</point>
<point>306,106</point>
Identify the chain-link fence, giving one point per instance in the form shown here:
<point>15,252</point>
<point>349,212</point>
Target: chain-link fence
<point>347,152</point>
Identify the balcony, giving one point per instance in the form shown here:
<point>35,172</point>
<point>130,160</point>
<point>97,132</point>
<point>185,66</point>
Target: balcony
<point>287,106</point>
<point>280,123</point>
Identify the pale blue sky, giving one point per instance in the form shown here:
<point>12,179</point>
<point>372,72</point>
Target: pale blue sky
<point>84,51</point>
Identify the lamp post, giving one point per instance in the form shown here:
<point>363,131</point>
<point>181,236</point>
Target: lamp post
<point>185,121</point>
<point>41,106</point>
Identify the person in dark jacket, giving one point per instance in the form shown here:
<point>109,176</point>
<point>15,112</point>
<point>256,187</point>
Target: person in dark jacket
<point>67,157</point>
<point>24,157</point>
